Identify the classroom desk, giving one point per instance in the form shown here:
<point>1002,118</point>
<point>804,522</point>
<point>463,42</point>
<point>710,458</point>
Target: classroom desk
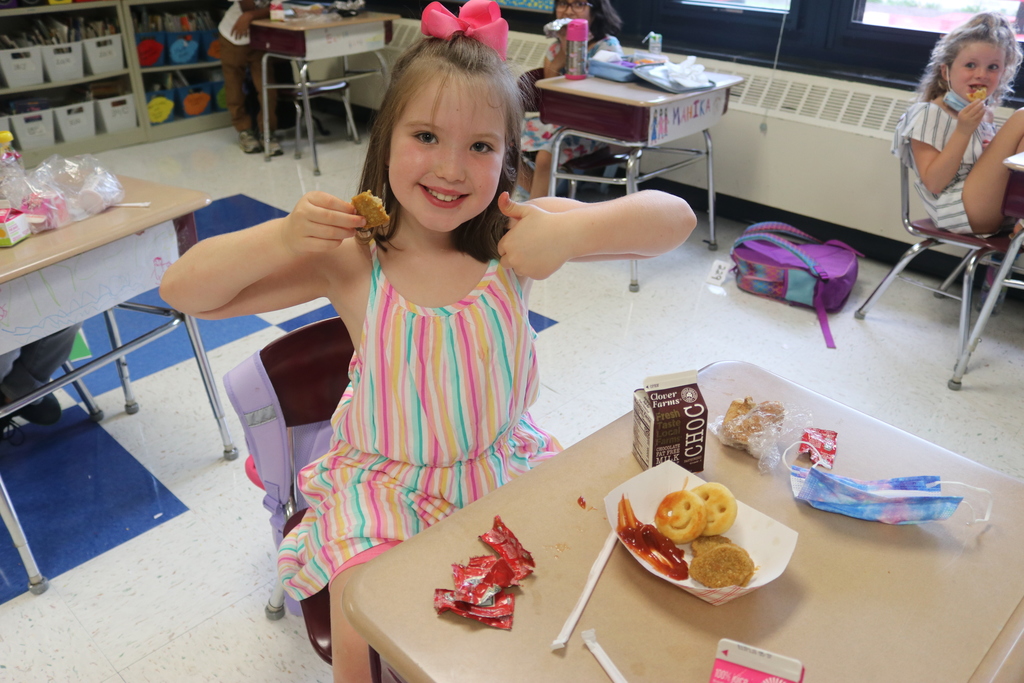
<point>61,277</point>
<point>640,118</point>
<point>301,41</point>
<point>859,601</point>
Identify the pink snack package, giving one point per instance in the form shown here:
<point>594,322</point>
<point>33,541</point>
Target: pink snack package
<point>740,663</point>
<point>823,441</point>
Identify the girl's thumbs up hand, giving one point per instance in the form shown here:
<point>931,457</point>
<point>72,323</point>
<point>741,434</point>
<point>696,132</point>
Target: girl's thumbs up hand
<point>534,245</point>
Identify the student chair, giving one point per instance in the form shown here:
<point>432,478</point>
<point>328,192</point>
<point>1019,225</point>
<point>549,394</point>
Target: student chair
<point>977,250</point>
<point>1008,275</point>
<point>285,395</point>
<point>301,95</point>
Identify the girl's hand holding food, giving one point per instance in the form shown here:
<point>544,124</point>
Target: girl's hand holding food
<point>320,222</point>
<point>968,119</point>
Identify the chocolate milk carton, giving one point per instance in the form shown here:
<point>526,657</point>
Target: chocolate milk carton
<point>670,421</point>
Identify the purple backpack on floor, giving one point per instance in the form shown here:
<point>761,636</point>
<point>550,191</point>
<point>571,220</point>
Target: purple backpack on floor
<point>815,274</point>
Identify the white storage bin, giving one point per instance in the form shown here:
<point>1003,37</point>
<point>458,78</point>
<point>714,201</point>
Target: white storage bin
<point>21,66</point>
<point>62,62</point>
<point>76,121</point>
<point>103,54</point>
<point>33,130</point>
<point>116,114</point>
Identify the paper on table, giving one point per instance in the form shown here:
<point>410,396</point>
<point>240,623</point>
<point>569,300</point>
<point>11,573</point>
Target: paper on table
<point>595,574</point>
<point>590,638</point>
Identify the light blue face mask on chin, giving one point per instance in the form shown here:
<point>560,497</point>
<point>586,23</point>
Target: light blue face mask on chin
<point>954,101</point>
<point>902,500</point>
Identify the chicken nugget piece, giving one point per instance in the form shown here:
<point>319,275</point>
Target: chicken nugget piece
<point>371,208</point>
<point>704,543</point>
<point>722,566</point>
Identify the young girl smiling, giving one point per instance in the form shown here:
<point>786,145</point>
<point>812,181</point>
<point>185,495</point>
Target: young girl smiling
<point>444,371</point>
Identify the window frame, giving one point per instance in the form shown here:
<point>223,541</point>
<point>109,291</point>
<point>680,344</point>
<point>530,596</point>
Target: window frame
<point>819,38</point>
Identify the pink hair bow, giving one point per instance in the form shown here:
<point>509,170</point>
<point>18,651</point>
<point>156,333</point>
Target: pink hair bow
<point>478,19</point>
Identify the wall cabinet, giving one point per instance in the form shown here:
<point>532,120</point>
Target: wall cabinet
<point>96,94</point>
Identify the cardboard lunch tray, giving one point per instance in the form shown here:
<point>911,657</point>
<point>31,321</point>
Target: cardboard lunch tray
<point>769,543</point>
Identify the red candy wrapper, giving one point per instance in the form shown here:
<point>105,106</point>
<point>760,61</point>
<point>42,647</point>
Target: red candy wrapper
<point>824,442</point>
<point>498,615</point>
<point>483,578</point>
<point>511,550</point>
<point>479,585</point>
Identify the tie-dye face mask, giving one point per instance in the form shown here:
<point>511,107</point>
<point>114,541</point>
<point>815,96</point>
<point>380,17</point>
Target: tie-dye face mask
<point>903,500</point>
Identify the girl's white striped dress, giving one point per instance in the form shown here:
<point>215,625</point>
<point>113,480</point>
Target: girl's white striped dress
<point>929,123</point>
<point>435,417</point>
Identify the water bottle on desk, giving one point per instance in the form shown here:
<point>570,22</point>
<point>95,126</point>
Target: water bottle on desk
<point>576,34</point>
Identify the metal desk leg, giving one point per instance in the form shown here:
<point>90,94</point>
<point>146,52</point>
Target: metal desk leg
<point>712,243</point>
<point>230,451</point>
<point>556,154</point>
<point>265,110</point>
<point>95,413</point>
<point>304,86</point>
<point>632,171</point>
<point>131,406</point>
<point>37,583</point>
<point>986,311</point>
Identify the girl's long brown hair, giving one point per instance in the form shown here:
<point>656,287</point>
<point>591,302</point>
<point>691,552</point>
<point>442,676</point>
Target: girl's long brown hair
<point>462,61</point>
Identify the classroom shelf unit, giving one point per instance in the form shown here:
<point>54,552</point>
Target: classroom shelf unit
<point>110,122</point>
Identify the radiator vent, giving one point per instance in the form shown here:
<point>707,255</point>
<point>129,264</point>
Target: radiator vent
<point>525,51</point>
<point>831,103</point>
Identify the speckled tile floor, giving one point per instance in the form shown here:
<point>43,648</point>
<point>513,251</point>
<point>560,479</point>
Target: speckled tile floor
<point>183,601</point>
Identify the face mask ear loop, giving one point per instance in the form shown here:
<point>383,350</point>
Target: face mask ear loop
<point>793,445</point>
<point>984,493</point>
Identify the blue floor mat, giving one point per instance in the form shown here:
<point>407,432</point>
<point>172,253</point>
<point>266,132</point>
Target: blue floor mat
<point>78,493</point>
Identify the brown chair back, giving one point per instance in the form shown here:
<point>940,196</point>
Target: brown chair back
<point>309,370</point>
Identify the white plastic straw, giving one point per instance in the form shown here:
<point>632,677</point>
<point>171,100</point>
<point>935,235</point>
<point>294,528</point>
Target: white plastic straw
<point>595,573</point>
<point>134,205</point>
<point>590,638</point>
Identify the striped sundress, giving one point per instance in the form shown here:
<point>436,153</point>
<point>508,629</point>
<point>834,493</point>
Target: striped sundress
<point>434,418</point>
<point>929,123</point>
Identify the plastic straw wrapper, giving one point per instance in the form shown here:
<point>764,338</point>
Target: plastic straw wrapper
<point>595,574</point>
<point>590,638</point>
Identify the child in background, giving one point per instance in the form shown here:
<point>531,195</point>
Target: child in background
<point>948,136</point>
<point>603,22</point>
<point>235,57</point>
<point>444,370</point>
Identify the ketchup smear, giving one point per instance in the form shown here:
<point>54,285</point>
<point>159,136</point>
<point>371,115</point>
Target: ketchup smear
<point>653,546</point>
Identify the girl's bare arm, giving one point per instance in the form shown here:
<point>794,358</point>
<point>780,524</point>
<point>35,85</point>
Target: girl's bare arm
<point>547,232</point>
<point>280,263</point>
<point>938,167</point>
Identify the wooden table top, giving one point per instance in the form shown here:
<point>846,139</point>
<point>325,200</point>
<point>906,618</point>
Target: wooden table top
<point>43,249</point>
<point>632,93</point>
<point>859,601</point>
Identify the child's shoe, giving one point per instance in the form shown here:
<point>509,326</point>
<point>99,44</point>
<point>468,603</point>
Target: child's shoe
<point>274,147</point>
<point>249,142</point>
